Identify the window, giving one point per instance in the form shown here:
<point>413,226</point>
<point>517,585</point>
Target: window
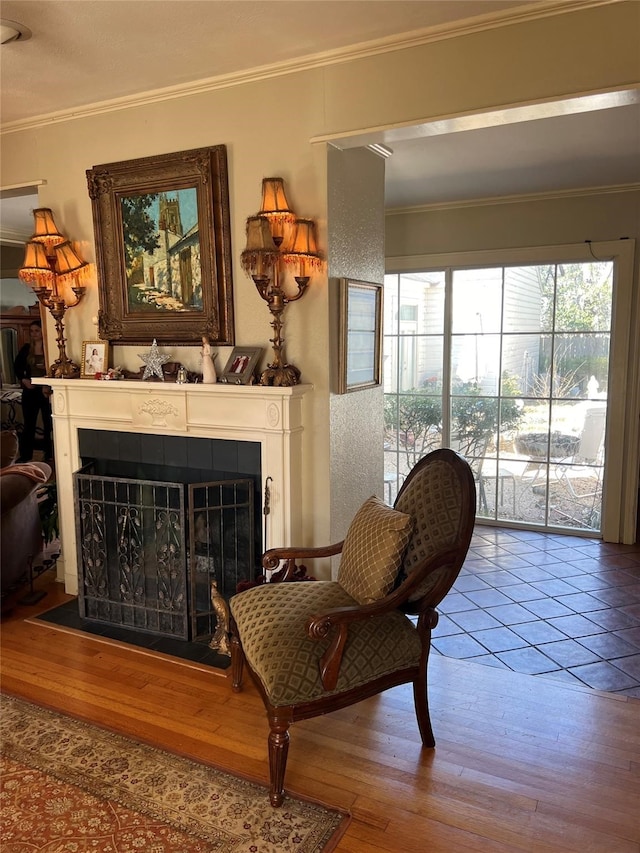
<point>509,364</point>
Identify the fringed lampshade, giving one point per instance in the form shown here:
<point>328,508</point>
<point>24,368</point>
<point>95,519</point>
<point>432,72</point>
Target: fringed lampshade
<point>276,207</point>
<point>277,239</point>
<point>260,253</point>
<point>68,265</point>
<point>46,230</point>
<point>35,270</point>
<point>302,249</point>
<point>53,269</point>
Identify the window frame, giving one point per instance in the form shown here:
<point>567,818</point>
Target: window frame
<point>620,486</point>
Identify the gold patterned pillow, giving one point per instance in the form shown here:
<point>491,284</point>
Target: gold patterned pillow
<point>372,552</point>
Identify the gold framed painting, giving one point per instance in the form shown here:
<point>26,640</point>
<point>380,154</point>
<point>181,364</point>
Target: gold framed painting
<point>360,335</point>
<point>163,248</point>
<point>95,359</point>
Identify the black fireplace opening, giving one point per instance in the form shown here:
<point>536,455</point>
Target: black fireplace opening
<point>160,521</point>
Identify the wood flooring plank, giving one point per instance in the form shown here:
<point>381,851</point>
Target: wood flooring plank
<point>522,764</point>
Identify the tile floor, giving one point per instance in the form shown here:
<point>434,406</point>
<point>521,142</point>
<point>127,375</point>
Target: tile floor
<point>559,606</point>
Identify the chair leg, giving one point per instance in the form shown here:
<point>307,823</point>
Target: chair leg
<point>426,623</point>
<point>237,664</point>
<point>278,752</point>
<point>421,702</point>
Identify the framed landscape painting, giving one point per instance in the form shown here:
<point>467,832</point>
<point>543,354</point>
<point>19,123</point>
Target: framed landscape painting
<point>163,248</point>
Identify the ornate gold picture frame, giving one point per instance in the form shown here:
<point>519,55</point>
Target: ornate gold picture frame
<point>95,359</point>
<point>163,248</point>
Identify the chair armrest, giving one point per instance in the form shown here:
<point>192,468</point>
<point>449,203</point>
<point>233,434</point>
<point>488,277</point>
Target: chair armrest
<point>15,487</point>
<point>272,558</point>
<point>320,626</point>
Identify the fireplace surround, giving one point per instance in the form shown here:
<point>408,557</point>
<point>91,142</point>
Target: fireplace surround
<point>271,418</point>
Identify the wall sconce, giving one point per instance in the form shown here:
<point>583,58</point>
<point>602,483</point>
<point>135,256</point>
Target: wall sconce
<point>279,242</point>
<point>53,270</point>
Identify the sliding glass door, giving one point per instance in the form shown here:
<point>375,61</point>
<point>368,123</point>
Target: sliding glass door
<point>510,366</point>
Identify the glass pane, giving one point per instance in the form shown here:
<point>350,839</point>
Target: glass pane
<point>531,440</point>
<point>512,417</point>
<point>390,304</point>
<point>425,376</point>
<point>581,365</point>
<point>474,424</point>
<point>520,365</point>
<point>475,363</point>
<point>421,304</point>
<point>583,298</point>
<point>541,378</point>
<point>477,301</point>
<point>526,299</point>
<point>390,362</point>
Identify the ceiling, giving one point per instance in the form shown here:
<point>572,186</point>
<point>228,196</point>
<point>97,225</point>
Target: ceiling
<point>86,51</point>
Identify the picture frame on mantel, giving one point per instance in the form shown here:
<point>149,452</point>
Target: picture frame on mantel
<point>241,366</point>
<point>95,359</point>
<point>163,248</point>
<point>360,335</point>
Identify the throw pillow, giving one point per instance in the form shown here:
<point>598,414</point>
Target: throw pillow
<point>372,552</point>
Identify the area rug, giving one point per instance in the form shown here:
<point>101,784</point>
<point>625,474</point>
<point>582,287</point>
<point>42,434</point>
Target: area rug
<point>71,787</point>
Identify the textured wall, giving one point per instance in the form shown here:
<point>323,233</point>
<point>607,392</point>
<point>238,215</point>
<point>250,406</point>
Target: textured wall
<point>356,239</point>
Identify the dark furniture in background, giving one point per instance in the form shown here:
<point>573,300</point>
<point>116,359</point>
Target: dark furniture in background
<point>20,526</point>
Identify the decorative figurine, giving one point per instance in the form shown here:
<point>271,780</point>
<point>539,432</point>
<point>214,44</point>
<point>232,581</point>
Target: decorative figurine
<point>208,367</point>
<point>220,640</point>
<point>182,377</point>
<point>153,360</point>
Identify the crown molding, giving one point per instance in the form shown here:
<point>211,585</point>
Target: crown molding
<point>480,23</point>
<point>513,199</point>
<point>14,238</point>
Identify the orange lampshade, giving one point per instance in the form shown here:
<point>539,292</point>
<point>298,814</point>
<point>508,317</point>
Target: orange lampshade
<point>46,230</point>
<point>275,206</point>
<point>35,270</point>
<point>68,264</point>
<point>260,252</point>
<point>301,249</point>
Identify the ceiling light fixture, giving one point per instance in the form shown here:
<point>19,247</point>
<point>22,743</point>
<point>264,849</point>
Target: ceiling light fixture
<point>380,149</point>
<point>12,31</point>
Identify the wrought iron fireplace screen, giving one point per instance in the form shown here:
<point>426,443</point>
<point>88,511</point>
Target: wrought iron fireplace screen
<point>148,550</point>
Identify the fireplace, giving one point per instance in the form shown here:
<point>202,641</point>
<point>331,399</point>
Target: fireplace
<point>156,524</point>
<point>243,425</point>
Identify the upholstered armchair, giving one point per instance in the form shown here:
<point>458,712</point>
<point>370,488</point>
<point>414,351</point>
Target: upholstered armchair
<point>20,526</point>
<point>314,647</point>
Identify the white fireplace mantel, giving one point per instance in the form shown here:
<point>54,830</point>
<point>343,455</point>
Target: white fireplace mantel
<point>272,417</point>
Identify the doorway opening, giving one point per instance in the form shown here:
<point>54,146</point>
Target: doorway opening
<point>510,366</point>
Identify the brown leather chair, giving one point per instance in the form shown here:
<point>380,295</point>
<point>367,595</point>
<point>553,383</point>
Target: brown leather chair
<point>20,526</point>
<point>314,647</point>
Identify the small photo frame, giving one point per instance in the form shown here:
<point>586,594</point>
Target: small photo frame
<point>360,341</point>
<point>240,369</point>
<point>95,359</point>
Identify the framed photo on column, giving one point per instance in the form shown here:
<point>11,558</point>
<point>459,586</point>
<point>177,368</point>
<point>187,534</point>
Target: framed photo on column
<point>360,341</point>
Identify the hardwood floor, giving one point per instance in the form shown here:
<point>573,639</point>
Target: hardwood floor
<point>522,762</point>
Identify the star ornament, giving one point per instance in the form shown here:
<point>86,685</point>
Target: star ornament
<point>153,361</point>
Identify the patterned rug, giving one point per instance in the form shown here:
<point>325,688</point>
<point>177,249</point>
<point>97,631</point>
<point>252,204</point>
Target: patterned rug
<point>70,787</point>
